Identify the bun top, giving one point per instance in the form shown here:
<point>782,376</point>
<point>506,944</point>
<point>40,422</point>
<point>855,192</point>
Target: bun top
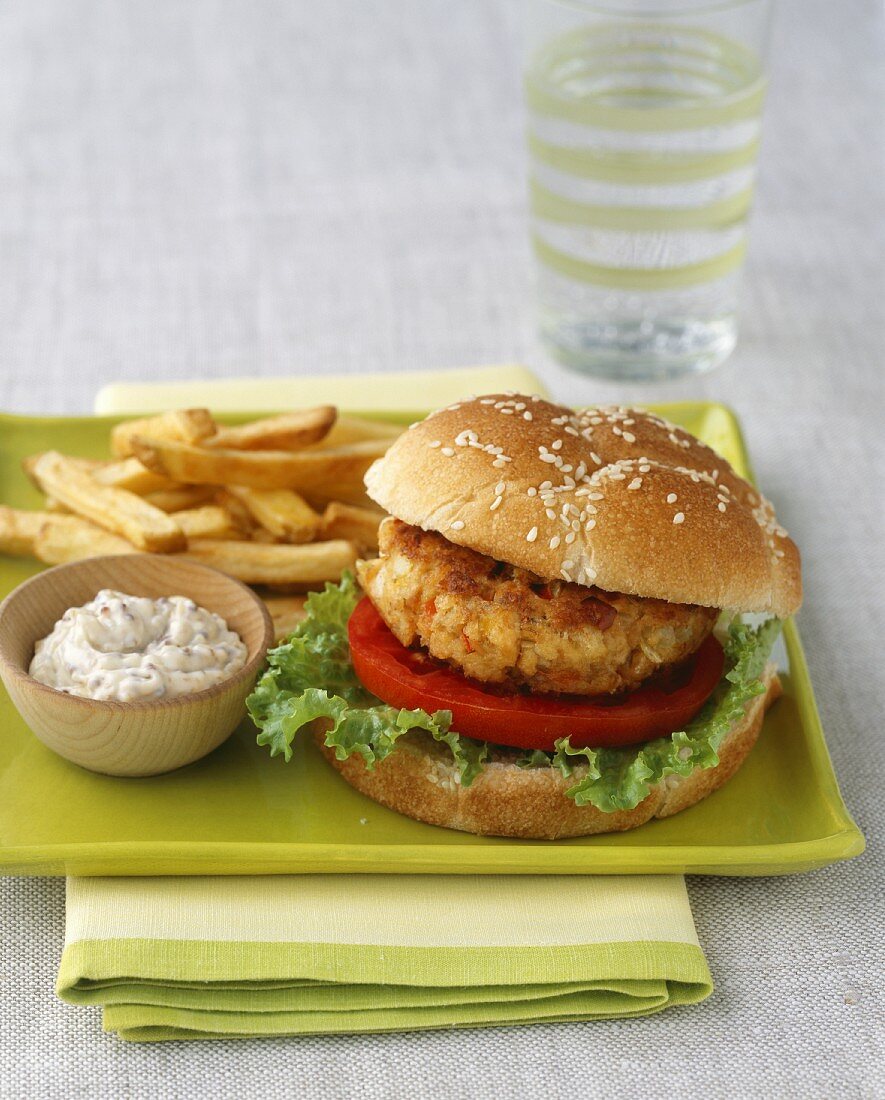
<point>609,497</point>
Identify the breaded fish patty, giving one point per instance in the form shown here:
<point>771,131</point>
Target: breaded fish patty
<point>504,625</point>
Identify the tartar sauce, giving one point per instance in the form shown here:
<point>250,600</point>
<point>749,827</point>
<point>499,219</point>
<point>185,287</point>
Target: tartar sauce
<point>130,648</point>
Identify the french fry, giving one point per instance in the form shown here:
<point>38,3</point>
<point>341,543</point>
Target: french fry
<point>261,534</point>
<point>181,497</point>
<point>283,512</point>
<point>287,432</point>
<point>69,538</point>
<point>347,521</point>
<point>186,425</point>
<point>358,429</point>
<point>287,612</point>
<point>210,521</point>
<point>117,510</point>
<point>131,475</point>
<point>242,516</point>
<point>19,530</point>
<point>249,500</point>
<point>301,567</point>
<point>320,475</point>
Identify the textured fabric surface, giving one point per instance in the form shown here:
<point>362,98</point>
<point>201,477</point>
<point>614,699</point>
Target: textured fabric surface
<point>335,954</point>
<point>222,188</point>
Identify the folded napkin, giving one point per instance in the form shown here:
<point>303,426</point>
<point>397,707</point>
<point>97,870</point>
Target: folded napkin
<point>171,958</point>
<point>192,958</point>
<point>405,391</point>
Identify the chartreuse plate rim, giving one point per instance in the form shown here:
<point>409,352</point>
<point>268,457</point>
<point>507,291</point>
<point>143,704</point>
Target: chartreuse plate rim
<point>438,850</point>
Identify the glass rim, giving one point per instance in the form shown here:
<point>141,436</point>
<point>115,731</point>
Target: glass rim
<point>650,11</point>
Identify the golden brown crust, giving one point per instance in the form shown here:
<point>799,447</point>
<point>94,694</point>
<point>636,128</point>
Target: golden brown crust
<point>500,624</point>
<point>612,497</point>
<point>420,781</point>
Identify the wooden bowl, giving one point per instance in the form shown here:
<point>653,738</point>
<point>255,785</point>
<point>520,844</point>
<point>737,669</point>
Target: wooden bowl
<point>145,737</point>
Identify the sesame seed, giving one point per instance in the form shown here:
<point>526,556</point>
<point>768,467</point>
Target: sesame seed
<point>569,538</point>
<point>721,506</point>
<point>495,503</point>
<point>548,458</point>
<point>500,487</point>
<point>596,458</point>
<point>447,451</point>
<point>487,401</point>
<point>532,535</point>
<point>595,496</point>
<point>527,416</point>
<point>590,524</point>
<point>554,542</point>
<point>500,462</point>
<point>551,514</point>
<point>546,485</point>
<point>532,491</point>
<point>644,469</point>
<point>635,483</point>
<point>591,573</point>
<point>671,498</point>
<point>557,444</point>
<point>629,437</point>
<point>568,564</point>
<point>457,525</point>
<point>435,443</point>
<point>679,517</point>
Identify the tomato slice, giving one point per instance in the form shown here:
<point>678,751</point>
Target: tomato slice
<point>405,678</point>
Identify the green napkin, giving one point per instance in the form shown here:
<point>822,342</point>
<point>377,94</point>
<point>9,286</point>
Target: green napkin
<point>193,958</point>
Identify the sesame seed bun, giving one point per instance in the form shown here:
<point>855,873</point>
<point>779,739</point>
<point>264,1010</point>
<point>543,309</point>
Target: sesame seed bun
<point>421,781</point>
<point>612,497</point>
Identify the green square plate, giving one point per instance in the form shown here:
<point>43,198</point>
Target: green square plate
<point>240,812</point>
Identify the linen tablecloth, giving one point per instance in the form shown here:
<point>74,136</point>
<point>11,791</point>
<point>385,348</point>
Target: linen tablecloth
<point>220,189</point>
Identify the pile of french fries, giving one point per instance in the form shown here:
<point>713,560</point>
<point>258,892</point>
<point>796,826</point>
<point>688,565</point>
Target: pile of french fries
<point>277,503</point>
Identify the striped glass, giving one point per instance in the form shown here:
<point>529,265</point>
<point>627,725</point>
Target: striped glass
<point>643,134</point>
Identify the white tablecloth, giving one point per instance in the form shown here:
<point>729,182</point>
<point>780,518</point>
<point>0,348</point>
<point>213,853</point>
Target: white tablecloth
<point>220,188</point>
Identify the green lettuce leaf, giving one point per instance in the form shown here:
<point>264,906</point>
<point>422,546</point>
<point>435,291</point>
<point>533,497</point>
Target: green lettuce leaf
<point>288,697</point>
<point>619,779</point>
<point>310,676</point>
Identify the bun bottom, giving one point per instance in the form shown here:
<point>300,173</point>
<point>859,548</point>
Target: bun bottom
<point>419,780</point>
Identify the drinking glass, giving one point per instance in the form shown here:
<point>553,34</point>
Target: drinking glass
<point>643,133</point>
